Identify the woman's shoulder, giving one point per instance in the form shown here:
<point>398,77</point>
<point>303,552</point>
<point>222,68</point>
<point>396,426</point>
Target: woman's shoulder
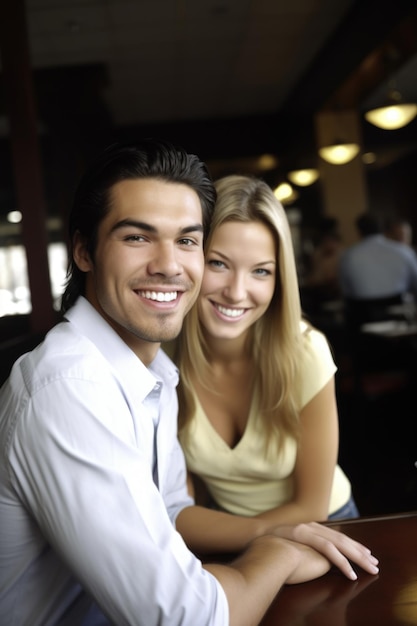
<point>311,333</point>
<point>312,336</point>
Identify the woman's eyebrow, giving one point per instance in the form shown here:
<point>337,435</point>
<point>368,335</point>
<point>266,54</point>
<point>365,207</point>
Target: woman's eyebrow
<point>226,258</point>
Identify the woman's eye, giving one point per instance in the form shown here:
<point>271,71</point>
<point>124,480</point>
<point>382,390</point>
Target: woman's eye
<point>261,271</point>
<point>215,263</point>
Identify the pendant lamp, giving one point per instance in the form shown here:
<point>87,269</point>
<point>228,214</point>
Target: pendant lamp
<point>339,152</point>
<point>303,177</point>
<point>285,193</point>
<point>395,114</point>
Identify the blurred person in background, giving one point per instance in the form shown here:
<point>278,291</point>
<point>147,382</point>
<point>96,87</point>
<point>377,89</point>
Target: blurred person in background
<point>377,267</point>
<point>399,229</point>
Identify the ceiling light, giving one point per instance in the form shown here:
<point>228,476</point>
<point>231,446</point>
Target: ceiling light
<point>14,217</point>
<point>392,116</point>
<point>267,162</point>
<point>303,178</point>
<point>285,193</point>
<point>395,114</point>
<point>368,158</point>
<point>339,153</point>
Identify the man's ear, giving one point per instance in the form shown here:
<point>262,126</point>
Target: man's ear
<point>80,253</point>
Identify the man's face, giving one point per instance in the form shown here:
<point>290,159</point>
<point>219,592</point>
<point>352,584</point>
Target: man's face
<point>148,263</point>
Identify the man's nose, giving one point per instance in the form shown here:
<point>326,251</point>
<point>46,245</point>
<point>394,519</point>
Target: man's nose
<point>165,260</point>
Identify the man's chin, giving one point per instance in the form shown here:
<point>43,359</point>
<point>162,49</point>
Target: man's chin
<point>169,334</point>
<point>165,332</point>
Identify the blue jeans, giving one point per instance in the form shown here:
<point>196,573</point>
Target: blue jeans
<point>347,511</point>
<point>95,617</point>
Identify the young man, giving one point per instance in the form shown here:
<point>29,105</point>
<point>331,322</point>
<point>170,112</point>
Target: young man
<point>94,509</point>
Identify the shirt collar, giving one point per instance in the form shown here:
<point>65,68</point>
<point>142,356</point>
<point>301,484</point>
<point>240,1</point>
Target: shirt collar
<point>127,367</point>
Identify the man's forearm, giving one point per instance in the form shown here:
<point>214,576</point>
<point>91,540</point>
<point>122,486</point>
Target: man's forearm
<point>252,581</point>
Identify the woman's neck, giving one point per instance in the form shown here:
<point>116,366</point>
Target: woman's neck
<point>227,351</point>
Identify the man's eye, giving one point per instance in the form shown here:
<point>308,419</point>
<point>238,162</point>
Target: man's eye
<point>186,241</point>
<point>134,238</point>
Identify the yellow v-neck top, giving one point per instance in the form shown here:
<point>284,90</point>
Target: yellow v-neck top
<point>247,480</point>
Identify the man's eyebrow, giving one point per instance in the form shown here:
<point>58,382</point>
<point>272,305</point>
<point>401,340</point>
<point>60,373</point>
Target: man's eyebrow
<point>133,224</point>
<point>151,229</point>
<point>192,229</point>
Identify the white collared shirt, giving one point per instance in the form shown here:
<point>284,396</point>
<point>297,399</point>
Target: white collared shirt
<point>91,480</point>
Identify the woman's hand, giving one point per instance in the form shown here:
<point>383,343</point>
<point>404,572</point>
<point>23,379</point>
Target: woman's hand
<point>336,547</point>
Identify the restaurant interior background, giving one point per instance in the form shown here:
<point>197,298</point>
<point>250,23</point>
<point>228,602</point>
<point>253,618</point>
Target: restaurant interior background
<point>251,86</point>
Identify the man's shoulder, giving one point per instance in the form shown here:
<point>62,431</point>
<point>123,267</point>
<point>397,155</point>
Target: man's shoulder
<point>406,251</point>
<point>64,353</point>
<point>362,247</point>
<point>399,250</point>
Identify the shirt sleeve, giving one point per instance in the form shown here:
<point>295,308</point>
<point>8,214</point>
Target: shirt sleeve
<point>317,365</point>
<point>175,492</point>
<point>85,476</point>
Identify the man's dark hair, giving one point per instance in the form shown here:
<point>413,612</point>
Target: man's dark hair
<point>148,158</point>
<point>368,224</point>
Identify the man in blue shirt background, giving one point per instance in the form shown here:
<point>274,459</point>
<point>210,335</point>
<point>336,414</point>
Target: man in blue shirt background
<point>377,267</point>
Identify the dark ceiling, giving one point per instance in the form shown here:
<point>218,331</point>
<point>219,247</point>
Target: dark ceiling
<point>228,79</point>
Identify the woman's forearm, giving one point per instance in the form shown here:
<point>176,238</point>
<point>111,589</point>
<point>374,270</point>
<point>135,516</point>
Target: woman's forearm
<point>207,530</point>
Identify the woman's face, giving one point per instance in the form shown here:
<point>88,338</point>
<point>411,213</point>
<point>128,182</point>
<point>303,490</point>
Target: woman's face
<point>239,279</point>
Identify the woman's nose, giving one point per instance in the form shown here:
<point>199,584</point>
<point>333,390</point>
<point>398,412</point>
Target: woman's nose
<point>235,289</point>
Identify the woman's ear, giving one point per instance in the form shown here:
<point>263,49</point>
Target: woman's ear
<point>80,253</point>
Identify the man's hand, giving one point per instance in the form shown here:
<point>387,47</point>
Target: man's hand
<point>253,579</point>
<point>311,565</point>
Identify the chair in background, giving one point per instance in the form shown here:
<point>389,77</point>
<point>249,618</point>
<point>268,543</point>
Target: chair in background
<point>377,364</point>
<point>377,408</point>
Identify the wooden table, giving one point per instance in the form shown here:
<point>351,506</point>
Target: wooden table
<point>388,599</point>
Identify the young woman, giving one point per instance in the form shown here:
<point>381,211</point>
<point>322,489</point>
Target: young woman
<point>258,415</point>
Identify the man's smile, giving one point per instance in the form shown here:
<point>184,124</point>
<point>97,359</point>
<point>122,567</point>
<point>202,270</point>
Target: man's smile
<point>159,296</point>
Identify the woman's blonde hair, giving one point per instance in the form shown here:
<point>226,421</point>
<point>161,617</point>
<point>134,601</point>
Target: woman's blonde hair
<point>275,339</point>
